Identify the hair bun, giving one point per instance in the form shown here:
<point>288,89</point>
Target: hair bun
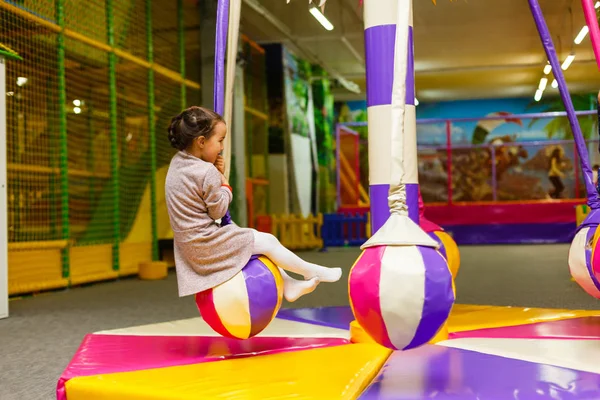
<point>190,124</point>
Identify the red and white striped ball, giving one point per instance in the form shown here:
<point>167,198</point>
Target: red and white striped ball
<point>401,295</point>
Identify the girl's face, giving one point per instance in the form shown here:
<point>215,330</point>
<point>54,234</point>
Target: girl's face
<point>212,147</point>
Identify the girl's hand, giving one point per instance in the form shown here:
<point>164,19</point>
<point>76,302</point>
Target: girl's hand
<point>220,164</point>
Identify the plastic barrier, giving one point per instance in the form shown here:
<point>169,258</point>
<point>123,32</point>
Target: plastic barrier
<point>344,229</point>
<point>297,232</point>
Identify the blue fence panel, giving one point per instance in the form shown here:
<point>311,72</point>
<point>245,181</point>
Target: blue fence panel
<point>344,230</point>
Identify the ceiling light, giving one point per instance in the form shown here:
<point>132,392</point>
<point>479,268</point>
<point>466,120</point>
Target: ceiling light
<point>567,62</point>
<point>554,84</point>
<point>416,102</point>
<point>538,95</point>
<point>597,5</point>
<point>77,110</point>
<point>77,102</point>
<point>321,18</point>
<point>543,83</point>
<point>21,81</point>
<point>547,69</point>
<point>581,35</point>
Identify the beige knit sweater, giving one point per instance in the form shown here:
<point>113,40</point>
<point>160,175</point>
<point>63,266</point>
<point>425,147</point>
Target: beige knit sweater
<point>206,254</point>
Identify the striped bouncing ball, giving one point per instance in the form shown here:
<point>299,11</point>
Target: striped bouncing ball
<point>448,249</point>
<point>584,260</point>
<point>401,295</point>
<point>244,305</point>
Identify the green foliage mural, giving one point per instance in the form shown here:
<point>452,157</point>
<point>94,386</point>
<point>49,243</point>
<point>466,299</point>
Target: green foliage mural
<point>559,128</point>
<point>324,127</point>
<point>297,86</point>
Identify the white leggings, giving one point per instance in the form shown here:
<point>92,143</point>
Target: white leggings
<point>267,244</point>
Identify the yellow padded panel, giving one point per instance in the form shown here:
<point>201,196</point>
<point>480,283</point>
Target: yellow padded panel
<point>91,263</point>
<point>472,317</point>
<point>339,372</point>
<point>35,270</point>
<point>131,255</point>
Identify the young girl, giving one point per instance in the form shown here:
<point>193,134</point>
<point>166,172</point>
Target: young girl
<point>197,195</point>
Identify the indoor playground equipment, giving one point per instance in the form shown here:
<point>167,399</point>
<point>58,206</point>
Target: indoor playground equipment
<point>401,289</point>
<point>350,191</point>
<point>584,260</point>
<point>243,306</point>
<point>310,353</point>
<point>347,227</point>
<point>86,109</point>
<point>256,126</point>
<point>297,232</point>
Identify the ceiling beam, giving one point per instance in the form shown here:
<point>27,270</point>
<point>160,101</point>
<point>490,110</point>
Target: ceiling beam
<point>281,27</point>
<point>350,35</point>
<point>352,50</point>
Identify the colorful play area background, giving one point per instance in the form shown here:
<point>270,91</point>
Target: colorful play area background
<point>87,111</point>
<point>497,167</point>
<point>86,172</point>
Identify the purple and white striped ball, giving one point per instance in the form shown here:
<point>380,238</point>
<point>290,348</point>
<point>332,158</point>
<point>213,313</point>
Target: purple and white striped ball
<point>244,305</point>
<point>584,260</point>
<point>401,295</point>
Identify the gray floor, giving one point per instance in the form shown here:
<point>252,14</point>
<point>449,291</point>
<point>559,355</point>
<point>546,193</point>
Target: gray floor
<point>44,331</point>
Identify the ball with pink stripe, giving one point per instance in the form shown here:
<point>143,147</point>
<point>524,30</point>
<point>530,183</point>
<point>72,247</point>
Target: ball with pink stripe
<point>401,295</point>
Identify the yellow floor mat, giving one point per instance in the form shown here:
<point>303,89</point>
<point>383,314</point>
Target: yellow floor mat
<point>339,372</point>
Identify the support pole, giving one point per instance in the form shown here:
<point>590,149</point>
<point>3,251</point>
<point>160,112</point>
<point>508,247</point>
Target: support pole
<point>53,181</point>
<point>62,138</point>
<point>542,27</point>
<point>494,172</point>
<point>338,167</point>
<point>411,167</point>
<point>113,133</point>
<point>380,34</point>
<point>152,128</point>
<point>3,197</point>
<point>181,42</point>
<point>449,160</point>
<point>589,11</point>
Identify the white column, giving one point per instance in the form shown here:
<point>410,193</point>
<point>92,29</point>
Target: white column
<point>238,147</point>
<point>3,202</point>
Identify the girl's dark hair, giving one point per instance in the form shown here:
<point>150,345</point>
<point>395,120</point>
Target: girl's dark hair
<point>191,124</point>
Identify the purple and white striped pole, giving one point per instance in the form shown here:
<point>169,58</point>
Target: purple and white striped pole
<point>219,85</point>
<point>411,172</point>
<point>380,35</point>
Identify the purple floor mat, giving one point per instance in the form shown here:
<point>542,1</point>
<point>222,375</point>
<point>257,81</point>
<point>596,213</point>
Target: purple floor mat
<point>441,373</point>
<point>335,317</point>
